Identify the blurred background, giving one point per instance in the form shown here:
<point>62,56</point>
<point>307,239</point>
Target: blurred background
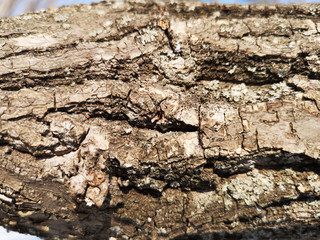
<point>10,8</point>
<point>17,7</point>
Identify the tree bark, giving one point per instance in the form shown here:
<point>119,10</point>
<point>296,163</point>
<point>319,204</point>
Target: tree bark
<point>145,120</point>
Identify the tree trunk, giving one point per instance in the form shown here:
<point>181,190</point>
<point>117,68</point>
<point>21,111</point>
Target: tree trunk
<point>161,121</point>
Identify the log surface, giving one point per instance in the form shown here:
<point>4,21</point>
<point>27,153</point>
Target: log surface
<point>145,120</point>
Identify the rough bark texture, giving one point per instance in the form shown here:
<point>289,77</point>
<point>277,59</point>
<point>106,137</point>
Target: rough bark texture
<point>161,121</point>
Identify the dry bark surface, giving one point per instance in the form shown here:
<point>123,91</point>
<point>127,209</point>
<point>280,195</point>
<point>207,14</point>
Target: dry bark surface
<point>144,120</point>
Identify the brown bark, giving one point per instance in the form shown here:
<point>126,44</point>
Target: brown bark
<point>161,121</point>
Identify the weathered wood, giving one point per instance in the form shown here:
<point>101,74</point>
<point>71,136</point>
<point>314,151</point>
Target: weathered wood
<point>161,121</point>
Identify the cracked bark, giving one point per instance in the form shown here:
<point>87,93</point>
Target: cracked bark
<point>161,121</point>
